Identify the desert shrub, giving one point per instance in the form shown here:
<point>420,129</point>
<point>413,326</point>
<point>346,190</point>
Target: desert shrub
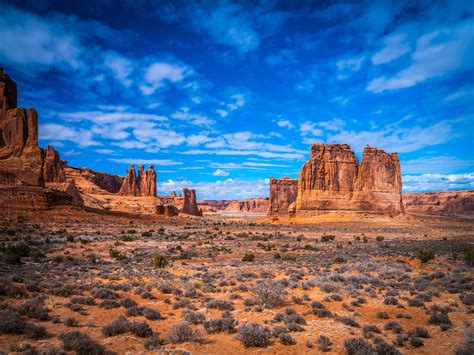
<point>34,309</point>
<point>151,314</point>
<point>416,342</point>
<point>181,303</point>
<point>269,293</point>
<point>419,332</point>
<point>71,322</point>
<point>391,300</point>
<point>286,339</point>
<point>348,321</point>
<point>370,328</point>
<point>147,234</point>
<point>126,238</point>
<point>328,238</point>
<point>382,315</point>
<point>109,304</point>
<point>118,326</point>
<point>357,346</point>
<point>379,238</point>
<point>324,343</point>
<point>469,255</point>
<point>220,325</point>
<point>83,300</point>
<point>34,331</point>
<point>194,317</point>
<point>117,255</point>
<point>134,311</point>
<point>141,329</point>
<point>160,261</point>
<point>11,322</point>
<point>248,257</point>
<point>416,302</point>
<point>105,293</point>
<point>128,303</point>
<point>222,305</point>
<point>81,344</point>
<point>249,302</point>
<point>440,318</point>
<point>254,335</point>
<point>182,333</point>
<point>425,255</point>
<point>383,348</point>
<point>467,299</point>
<point>276,331</point>
<point>153,342</point>
<point>395,326</point>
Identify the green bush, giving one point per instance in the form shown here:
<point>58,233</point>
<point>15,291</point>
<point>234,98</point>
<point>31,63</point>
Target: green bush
<point>126,238</point>
<point>132,231</point>
<point>117,255</point>
<point>147,234</point>
<point>160,261</point>
<point>469,255</point>
<point>380,238</point>
<point>328,238</point>
<point>425,255</point>
<point>248,257</point>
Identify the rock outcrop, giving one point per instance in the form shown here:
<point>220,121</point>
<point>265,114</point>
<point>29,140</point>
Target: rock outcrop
<point>332,180</point>
<point>91,182</point>
<point>451,202</point>
<point>22,163</point>
<point>142,185</point>
<point>283,193</point>
<point>190,205</point>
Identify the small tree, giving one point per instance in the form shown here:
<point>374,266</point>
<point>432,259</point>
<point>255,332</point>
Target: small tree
<point>425,255</point>
<point>160,261</point>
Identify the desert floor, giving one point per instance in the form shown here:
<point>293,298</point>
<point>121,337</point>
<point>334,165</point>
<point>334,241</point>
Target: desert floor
<point>84,282</point>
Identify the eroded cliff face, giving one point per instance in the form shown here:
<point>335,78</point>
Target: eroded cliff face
<point>283,193</point>
<point>332,180</point>
<point>90,182</point>
<point>142,185</point>
<point>452,202</point>
<point>190,205</point>
<point>22,163</point>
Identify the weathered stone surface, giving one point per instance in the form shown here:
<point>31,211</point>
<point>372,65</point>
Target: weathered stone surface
<point>21,160</point>
<point>332,180</point>
<point>167,210</point>
<point>91,182</point>
<point>129,186</point>
<point>189,203</point>
<point>53,167</point>
<point>283,193</point>
<point>378,187</point>
<point>142,185</point>
<point>452,202</point>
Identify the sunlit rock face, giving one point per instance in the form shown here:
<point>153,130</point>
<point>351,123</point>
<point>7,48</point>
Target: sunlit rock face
<point>22,163</point>
<point>283,193</point>
<point>143,184</point>
<point>190,205</point>
<point>333,180</point>
<point>452,202</point>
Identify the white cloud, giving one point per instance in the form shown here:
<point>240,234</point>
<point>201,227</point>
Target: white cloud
<point>221,190</point>
<point>156,162</point>
<point>437,53</point>
<point>396,139</point>
<point>285,123</point>
<point>159,73</point>
<point>239,101</point>
<point>57,132</point>
<point>220,172</point>
<point>193,118</point>
<point>394,47</point>
<point>438,182</point>
<point>222,113</point>
<point>309,129</point>
<point>348,66</point>
<point>121,66</point>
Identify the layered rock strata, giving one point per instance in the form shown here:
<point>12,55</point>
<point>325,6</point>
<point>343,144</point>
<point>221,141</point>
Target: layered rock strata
<point>333,180</point>
<point>22,162</point>
<point>142,185</point>
<point>190,205</point>
<point>283,193</point>
<point>452,202</point>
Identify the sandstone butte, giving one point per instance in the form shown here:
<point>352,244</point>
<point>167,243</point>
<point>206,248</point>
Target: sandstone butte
<point>33,178</point>
<point>333,180</point>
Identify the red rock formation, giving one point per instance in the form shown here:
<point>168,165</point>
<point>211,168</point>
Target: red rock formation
<point>189,203</point>
<point>22,162</point>
<point>90,182</point>
<point>332,180</point>
<point>452,202</point>
<point>378,187</point>
<point>146,181</point>
<point>142,185</point>
<point>283,193</point>
<point>167,210</point>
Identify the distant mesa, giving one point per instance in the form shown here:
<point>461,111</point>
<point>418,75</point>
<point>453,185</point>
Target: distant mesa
<point>333,180</point>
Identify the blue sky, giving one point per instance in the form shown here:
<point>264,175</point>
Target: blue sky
<point>221,95</point>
